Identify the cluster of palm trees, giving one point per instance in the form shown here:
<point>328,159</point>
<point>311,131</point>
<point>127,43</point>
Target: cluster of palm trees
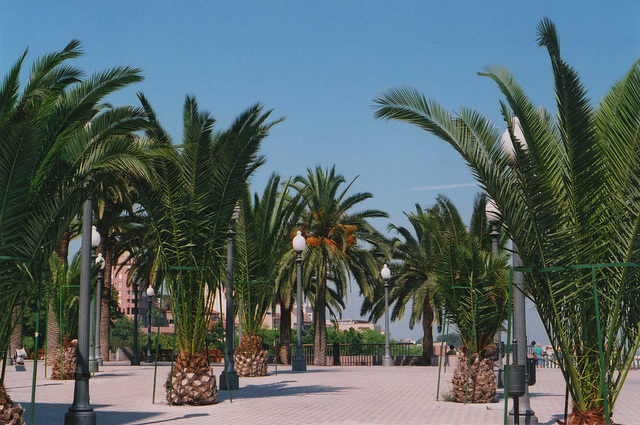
<point>167,206</point>
<point>568,191</point>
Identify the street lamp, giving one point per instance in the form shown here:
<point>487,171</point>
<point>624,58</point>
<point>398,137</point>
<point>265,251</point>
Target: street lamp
<point>519,314</point>
<point>386,274</point>
<point>81,412</point>
<point>299,364</point>
<point>229,378</point>
<point>493,218</point>
<point>100,263</point>
<point>149,293</point>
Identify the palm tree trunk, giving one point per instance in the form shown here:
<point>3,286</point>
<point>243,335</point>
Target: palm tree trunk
<point>320,324</point>
<point>427,329</point>
<point>105,320</point>
<point>53,333</point>
<point>285,334</point>
<point>16,335</point>
<point>53,327</point>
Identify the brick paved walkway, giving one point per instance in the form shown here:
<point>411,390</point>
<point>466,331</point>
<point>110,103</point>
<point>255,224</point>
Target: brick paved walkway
<point>121,394</point>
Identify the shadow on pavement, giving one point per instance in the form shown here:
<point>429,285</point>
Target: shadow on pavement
<point>276,390</point>
<point>50,413</point>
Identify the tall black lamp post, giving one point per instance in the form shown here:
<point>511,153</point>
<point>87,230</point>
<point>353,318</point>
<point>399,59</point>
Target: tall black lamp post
<point>229,378</point>
<point>81,412</point>
<point>299,364</point>
<point>150,293</point>
<point>493,217</point>
<point>386,275</point>
<point>519,314</point>
<point>100,262</point>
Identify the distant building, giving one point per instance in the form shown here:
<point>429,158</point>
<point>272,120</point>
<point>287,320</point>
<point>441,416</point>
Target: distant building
<point>357,325</point>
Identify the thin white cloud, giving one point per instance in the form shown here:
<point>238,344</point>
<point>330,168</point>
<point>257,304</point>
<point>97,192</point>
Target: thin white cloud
<point>441,187</point>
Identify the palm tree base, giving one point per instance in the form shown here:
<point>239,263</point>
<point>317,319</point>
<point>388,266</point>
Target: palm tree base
<point>591,417</point>
<point>193,383</point>
<point>10,414</point>
<point>480,386</point>
<point>69,363</point>
<point>250,358</point>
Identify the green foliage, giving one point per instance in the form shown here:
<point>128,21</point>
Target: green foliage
<point>450,339</point>
<point>191,206</point>
<point>568,190</point>
<point>215,337</point>
<point>121,333</point>
<point>333,253</point>
<point>54,148</point>
<point>114,306</point>
<point>471,283</point>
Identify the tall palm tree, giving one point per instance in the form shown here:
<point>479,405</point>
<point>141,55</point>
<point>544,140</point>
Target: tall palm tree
<point>569,195</point>
<point>190,210</point>
<point>262,241</point>
<point>473,288</point>
<point>54,149</point>
<point>413,261</point>
<point>333,254</point>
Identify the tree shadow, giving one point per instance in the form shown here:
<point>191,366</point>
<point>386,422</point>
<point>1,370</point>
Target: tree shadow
<point>51,413</point>
<point>278,389</point>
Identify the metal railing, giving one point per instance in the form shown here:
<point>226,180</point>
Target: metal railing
<point>366,354</point>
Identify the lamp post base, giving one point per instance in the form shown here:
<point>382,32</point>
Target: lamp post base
<point>229,381</point>
<point>528,418</point>
<point>148,359</point>
<point>135,359</point>
<point>100,361</point>
<point>93,366</point>
<point>80,417</point>
<point>387,361</point>
<point>298,365</point>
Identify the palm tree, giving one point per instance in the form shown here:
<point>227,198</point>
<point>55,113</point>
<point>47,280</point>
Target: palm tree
<point>473,288</point>
<point>569,195</point>
<point>262,240</point>
<point>413,261</point>
<point>54,149</point>
<point>333,254</point>
<point>190,210</point>
<point>64,304</point>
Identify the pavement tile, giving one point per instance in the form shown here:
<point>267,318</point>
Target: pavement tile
<point>122,394</point>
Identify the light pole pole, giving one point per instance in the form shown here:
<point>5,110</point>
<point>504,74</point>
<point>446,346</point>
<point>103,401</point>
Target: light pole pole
<point>81,412</point>
<point>519,313</point>
<point>386,274</point>
<point>100,262</point>
<point>150,293</point>
<point>135,357</point>
<point>493,217</point>
<point>299,364</point>
<point>229,378</point>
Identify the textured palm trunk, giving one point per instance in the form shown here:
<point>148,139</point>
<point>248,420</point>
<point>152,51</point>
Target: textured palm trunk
<point>16,336</point>
<point>427,332</point>
<point>53,326</point>
<point>320,325</point>
<point>68,364</point>
<point>10,414</point>
<point>250,358</point>
<point>105,320</point>
<point>193,383</point>
<point>479,384</point>
<point>285,334</point>
<point>53,334</point>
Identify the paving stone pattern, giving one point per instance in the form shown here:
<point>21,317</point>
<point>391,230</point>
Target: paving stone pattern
<point>121,394</point>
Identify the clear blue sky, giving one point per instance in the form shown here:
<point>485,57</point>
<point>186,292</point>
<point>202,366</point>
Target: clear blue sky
<point>321,63</point>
